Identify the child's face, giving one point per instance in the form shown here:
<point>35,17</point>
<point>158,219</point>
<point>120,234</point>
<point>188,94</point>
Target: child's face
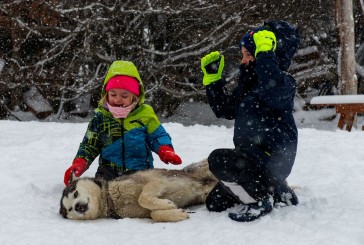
<point>247,57</point>
<point>119,97</point>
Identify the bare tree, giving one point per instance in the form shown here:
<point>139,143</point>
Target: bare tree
<point>63,47</point>
<point>362,5</point>
<point>346,62</point>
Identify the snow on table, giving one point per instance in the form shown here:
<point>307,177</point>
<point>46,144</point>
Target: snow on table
<point>338,99</point>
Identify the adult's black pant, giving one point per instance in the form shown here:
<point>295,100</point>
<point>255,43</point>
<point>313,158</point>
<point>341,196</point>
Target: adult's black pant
<point>245,169</point>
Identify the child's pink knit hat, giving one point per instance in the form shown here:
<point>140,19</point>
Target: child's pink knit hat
<point>130,84</point>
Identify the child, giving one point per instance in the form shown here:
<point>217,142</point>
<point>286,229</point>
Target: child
<point>124,131</point>
<point>254,173</point>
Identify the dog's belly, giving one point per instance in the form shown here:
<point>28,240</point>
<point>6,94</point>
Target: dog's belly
<point>187,192</point>
<point>133,211</point>
<point>125,198</point>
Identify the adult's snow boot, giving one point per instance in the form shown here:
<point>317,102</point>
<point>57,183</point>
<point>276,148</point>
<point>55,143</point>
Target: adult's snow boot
<point>253,211</point>
<point>284,194</point>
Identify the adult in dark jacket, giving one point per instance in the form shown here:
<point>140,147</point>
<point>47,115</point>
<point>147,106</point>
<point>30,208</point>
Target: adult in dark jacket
<point>254,173</point>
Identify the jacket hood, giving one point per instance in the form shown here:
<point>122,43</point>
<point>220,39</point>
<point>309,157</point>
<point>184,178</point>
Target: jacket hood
<point>288,41</point>
<point>126,68</point>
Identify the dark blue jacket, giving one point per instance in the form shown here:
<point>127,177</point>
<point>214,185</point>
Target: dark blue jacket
<point>262,106</point>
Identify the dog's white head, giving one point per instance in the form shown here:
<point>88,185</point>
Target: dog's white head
<point>81,199</point>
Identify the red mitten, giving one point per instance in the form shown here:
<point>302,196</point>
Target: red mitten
<point>167,155</point>
<point>78,167</point>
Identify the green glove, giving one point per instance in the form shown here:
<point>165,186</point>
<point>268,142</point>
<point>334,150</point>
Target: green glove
<point>212,66</point>
<point>264,41</point>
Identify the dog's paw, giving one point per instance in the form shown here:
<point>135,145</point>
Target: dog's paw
<point>171,215</point>
<point>166,204</point>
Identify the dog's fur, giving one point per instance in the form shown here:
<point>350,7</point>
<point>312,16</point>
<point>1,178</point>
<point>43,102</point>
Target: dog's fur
<point>159,194</point>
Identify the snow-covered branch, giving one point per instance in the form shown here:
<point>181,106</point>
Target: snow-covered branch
<point>63,48</point>
<point>359,69</point>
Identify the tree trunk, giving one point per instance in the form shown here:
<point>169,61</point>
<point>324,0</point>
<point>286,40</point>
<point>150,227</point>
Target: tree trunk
<point>346,60</point>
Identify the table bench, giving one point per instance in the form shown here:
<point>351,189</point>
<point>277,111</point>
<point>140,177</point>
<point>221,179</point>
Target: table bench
<point>347,105</point>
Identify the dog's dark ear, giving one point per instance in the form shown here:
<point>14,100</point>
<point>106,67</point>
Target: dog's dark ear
<point>63,211</point>
<point>71,187</point>
<point>99,182</point>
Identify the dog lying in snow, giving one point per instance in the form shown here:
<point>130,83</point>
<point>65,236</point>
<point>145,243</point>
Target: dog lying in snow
<point>159,194</point>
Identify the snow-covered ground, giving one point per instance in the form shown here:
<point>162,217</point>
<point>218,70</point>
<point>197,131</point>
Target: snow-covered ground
<point>329,172</point>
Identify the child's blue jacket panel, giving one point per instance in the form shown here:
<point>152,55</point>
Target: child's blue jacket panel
<point>126,144</point>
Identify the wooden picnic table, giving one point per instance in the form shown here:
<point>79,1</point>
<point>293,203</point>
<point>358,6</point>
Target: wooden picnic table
<point>347,105</point>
